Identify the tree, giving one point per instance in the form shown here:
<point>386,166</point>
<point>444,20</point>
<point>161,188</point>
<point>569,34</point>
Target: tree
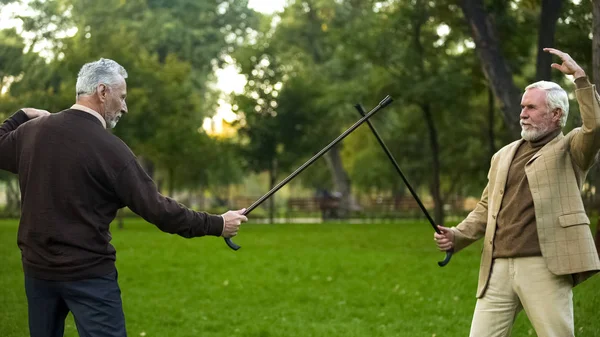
<point>11,55</point>
<point>596,43</point>
<point>426,72</point>
<point>170,50</point>
<point>370,51</point>
<point>306,23</point>
<point>549,15</point>
<point>275,129</point>
<point>596,74</point>
<point>298,48</point>
<point>495,66</point>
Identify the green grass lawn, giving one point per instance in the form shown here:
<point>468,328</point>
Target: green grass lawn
<point>288,280</point>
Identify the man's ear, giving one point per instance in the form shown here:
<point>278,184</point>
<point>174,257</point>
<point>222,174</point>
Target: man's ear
<point>102,91</point>
<point>557,115</point>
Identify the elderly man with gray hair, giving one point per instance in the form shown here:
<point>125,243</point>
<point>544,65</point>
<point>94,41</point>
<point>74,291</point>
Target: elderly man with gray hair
<point>537,241</point>
<point>74,176</point>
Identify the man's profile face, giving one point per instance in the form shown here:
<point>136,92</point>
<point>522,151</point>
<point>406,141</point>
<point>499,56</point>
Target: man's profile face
<point>536,119</point>
<point>115,105</point>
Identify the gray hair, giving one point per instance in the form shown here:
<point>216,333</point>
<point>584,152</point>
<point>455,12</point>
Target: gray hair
<point>556,98</point>
<point>103,71</point>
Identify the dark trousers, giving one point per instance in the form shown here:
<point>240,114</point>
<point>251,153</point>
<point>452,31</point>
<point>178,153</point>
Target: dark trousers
<point>95,303</point>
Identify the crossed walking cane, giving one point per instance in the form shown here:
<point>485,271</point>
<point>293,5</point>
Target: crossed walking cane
<point>365,118</point>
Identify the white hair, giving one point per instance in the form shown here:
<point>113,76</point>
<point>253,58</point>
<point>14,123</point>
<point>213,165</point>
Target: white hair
<point>103,71</point>
<point>556,98</point>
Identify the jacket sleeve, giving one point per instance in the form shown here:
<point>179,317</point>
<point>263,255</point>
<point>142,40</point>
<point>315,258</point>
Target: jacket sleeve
<point>585,143</point>
<point>473,227</point>
<point>137,191</point>
<point>8,141</point>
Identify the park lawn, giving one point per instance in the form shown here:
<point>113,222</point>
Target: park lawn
<point>297,280</point>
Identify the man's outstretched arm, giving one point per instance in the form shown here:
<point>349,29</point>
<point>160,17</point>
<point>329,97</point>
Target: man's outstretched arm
<point>137,191</point>
<point>471,229</point>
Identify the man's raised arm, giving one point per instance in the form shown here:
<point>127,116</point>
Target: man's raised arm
<point>586,143</point>
<point>8,147</point>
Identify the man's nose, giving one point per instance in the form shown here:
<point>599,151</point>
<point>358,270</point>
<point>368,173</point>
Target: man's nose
<point>524,114</point>
<point>124,109</point>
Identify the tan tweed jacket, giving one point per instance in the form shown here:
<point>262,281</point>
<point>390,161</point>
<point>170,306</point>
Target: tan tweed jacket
<point>556,175</point>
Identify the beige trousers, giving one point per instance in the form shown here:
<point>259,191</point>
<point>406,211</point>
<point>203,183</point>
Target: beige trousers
<point>525,283</point>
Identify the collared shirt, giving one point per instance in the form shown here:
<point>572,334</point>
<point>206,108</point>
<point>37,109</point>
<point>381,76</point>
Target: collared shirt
<point>91,112</point>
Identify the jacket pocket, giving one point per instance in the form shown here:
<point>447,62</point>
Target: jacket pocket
<point>573,219</point>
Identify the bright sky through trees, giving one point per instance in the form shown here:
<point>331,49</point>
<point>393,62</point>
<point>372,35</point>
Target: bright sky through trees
<point>229,80</point>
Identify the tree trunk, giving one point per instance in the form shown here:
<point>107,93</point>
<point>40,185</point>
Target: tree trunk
<point>596,74</point>
<point>436,193</point>
<point>598,240</point>
<point>435,187</point>
<point>272,183</point>
<point>491,133</point>
<point>548,17</point>
<point>13,198</point>
<point>171,182</point>
<point>340,179</point>
<point>494,65</point>
<point>148,166</point>
<point>120,221</point>
<point>334,160</point>
<point>596,43</point>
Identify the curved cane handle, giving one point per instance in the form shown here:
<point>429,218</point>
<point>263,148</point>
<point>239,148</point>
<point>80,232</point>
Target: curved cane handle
<point>231,244</point>
<point>447,259</point>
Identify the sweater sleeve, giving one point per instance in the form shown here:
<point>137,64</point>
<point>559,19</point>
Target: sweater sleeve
<point>137,191</point>
<point>8,142</point>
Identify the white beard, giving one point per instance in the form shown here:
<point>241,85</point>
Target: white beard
<point>532,135</point>
<point>111,122</point>
<point>534,132</point>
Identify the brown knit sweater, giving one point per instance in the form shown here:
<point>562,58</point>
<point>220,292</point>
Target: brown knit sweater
<point>74,176</point>
<point>516,231</point>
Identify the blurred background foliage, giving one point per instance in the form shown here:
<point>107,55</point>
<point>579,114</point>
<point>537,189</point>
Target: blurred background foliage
<point>456,70</point>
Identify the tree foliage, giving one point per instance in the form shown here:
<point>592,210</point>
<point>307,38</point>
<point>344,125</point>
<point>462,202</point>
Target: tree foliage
<point>455,70</point>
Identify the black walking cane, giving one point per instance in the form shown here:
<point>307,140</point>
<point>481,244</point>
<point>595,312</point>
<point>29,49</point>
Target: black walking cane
<point>414,194</point>
<point>387,100</point>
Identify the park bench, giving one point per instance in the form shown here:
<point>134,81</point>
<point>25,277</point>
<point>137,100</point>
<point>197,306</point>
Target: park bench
<point>391,208</point>
<point>326,208</point>
<point>239,202</point>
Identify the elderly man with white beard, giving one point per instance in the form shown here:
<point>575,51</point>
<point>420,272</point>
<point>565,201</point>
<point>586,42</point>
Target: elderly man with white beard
<point>537,240</point>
